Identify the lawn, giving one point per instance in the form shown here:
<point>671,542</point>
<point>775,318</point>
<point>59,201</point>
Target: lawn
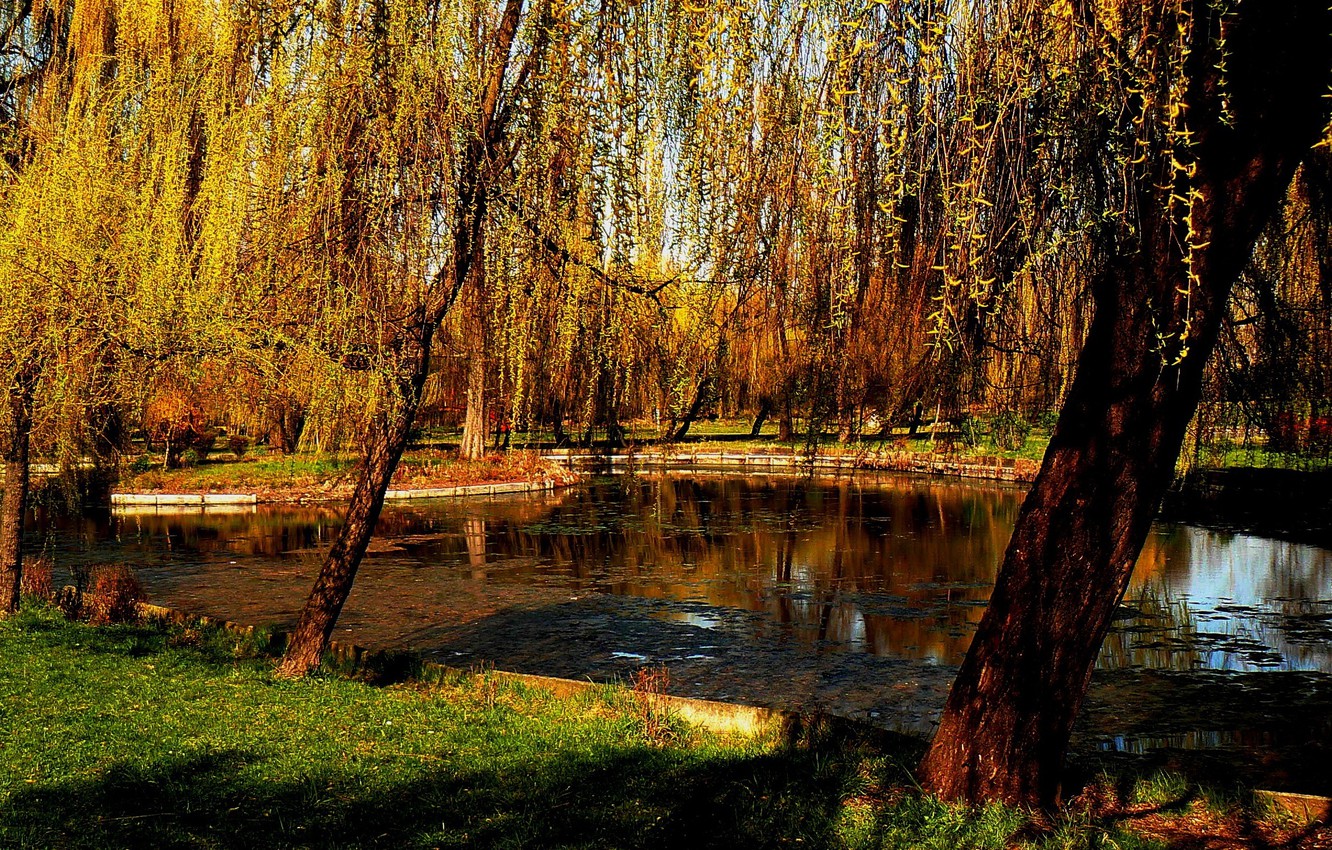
<point>157,736</point>
<point>152,736</point>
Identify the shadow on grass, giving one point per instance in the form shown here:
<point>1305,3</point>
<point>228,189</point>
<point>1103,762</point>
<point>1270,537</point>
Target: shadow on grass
<point>629,798</point>
<point>612,792</point>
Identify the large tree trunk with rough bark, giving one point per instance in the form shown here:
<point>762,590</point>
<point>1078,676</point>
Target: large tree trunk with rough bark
<point>1005,729</point>
<point>15,501</point>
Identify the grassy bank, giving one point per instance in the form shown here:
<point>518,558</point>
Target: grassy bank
<point>130,736</point>
<point>138,736</point>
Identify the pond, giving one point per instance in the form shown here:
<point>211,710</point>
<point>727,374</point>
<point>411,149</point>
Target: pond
<point>853,595</point>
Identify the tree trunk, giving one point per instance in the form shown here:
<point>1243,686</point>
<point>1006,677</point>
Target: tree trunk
<point>288,423</point>
<point>385,444</point>
<point>702,394</point>
<point>1006,726</point>
<point>15,500</point>
<point>786,424</point>
<point>474,427</point>
<point>558,434</point>
<point>765,408</point>
<point>389,433</point>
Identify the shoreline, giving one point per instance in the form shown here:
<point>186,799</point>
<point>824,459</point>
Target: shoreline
<point>205,500</point>
<point>988,468</point>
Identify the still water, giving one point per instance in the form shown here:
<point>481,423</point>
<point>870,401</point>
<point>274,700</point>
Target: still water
<point>892,567</point>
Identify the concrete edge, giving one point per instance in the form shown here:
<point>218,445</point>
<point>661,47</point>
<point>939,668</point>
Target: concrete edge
<point>720,717</point>
<point>209,500</point>
<point>1308,808</point>
<point>172,499</point>
<point>499,489</point>
<point>989,469</point>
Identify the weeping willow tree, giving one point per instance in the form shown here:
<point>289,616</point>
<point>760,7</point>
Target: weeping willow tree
<point>1186,122</point>
<point>97,199</point>
<point>654,206</point>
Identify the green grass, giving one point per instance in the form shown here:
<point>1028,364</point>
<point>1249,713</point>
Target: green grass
<point>324,475</point>
<point>154,736</point>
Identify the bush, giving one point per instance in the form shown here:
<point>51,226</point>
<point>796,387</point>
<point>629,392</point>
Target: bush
<point>69,602</point>
<point>190,458</point>
<point>141,464</point>
<point>1046,421</point>
<point>37,582</point>
<point>204,443</point>
<point>238,445</point>
<point>1010,431</point>
<point>971,431</point>
<point>113,596</point>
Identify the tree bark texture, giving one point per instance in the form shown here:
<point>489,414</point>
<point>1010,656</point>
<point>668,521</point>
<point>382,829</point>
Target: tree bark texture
<point>1006,726</point>
<point>15,501</point>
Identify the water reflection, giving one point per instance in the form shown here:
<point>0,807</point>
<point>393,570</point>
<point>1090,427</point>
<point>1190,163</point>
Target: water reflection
<point>891,566</point>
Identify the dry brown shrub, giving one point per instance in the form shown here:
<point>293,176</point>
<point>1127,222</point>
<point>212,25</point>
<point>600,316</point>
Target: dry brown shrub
<point>113,595</point>
<point>70,604</point>
<point>37,582</point>
<point>649,684</point>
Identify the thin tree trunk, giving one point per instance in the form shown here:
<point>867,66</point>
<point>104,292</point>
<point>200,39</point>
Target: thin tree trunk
<point>474,426</point>
<point>786,424</point>
<point>701,395</point>
<point>765,408</point>
<point>1005,729</point>
<point>386,443</point>
<point>15,500</point>
<point>558,433</point>
<point>389,433</point>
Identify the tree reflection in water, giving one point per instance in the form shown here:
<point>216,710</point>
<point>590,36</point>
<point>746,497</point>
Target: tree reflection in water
<point>892,566</point>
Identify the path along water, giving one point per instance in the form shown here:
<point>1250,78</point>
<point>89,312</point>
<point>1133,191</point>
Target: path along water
<point>852,595</point>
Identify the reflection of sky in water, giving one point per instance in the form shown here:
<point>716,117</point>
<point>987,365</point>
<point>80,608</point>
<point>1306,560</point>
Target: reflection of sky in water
<point>1236,601</point>
<point>892,565</point>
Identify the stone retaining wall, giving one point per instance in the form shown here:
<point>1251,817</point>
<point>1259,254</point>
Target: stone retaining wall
<point>473,490</point>
<point>183,499</point>
<point>990,468</point>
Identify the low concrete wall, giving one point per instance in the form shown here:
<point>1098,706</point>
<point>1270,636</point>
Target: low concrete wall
<point>184,499</point>
<point>989,468</point>
<point>1308,808</point>
<point>472,490</point>
<point>149,502</point>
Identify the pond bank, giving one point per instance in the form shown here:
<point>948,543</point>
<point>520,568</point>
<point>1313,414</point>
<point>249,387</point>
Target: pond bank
<point>1287,503</point>
<point>123,501</point>
<point>422,474</point>
<point>1145,702</point>
<point>193,742</point>
<point>989,468</point>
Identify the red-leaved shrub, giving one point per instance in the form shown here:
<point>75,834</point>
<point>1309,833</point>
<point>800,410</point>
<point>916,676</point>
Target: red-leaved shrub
<point>113,596</point>
<point>36,582</point>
